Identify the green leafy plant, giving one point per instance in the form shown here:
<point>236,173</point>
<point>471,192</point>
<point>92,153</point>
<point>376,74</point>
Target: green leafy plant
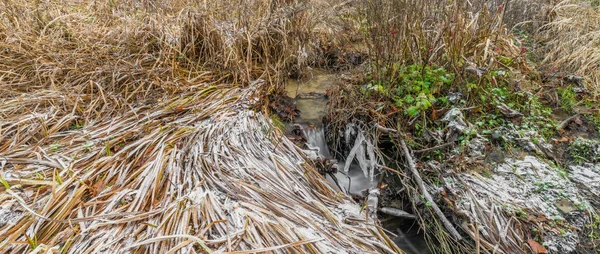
<point>594,226</point>
<point>568,98</point>
<point>413,88</point>
<point>543,186</point>
<point>585,150</point>
<point>89,146</point>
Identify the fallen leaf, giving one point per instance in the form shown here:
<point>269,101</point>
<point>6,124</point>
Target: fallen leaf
<point>537,247</point>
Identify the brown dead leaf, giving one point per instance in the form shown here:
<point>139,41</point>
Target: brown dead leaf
<point>537,247</point>
<point>97,187</point>
<point>434,115</point>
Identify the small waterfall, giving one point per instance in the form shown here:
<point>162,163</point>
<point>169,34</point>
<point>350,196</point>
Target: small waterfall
<point>357,177</point>
<point>315,137</point>
<point>354,181</point>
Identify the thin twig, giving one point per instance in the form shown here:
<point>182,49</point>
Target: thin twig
<point>436,209</point>
<point>433,148</point>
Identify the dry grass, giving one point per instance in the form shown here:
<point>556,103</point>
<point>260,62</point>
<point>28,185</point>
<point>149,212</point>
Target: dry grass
<point>572,39</point>
<point>454,35</point>
<point>450,34</point>
<point>119,134</point>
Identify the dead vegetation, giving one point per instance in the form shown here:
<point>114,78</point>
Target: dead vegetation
<point>133,126</point>
<point>413,46</point>
<point>464,37</point>
<point>128,127</point>
<point>571,40</point>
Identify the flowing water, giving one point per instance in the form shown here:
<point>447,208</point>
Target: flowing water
<point>313,108</point>
<point>308,98</point>
<point>353,182</point>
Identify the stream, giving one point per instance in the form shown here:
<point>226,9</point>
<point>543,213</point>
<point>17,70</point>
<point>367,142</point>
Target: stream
<point>308,95</point>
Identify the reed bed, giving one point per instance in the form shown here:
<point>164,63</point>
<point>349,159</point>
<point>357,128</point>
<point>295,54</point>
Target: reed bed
<point>571,40</point>
<point>454,35</point>
<point>131,128</point>
<point>213,176</point>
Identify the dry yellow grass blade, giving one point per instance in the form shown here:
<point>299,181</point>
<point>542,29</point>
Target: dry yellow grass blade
<point>122,131</point>
<point>570,40</point>
<point>219,179</point>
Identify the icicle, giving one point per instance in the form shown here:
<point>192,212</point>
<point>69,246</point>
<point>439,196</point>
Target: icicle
<point>373,201</point>
<point>352,154</point>
<point>316,141</point>
<point>361,155</point>
<point>372,160</point>
<point>350,131</point>
<point>363,150</point>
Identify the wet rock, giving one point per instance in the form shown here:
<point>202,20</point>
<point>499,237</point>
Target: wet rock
<point>311,95</point>
<point>496,156</point>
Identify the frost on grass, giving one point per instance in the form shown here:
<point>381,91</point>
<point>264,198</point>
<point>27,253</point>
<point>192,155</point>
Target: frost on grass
<point>523,198</point>
<point>219,178</point>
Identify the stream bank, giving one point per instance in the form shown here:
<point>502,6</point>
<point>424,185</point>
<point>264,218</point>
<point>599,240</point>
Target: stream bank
<point>310,97</point>
<point>526,184</point>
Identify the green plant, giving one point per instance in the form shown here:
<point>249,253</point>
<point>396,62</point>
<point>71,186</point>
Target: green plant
<point>88,146</point>
<point>595,118</point>
<point>585,150</point>
<point>516,211</point>
<point>568,98</point>
<point>543,186</point>
<point>33,242</point>
<point>76,126</point>
<point>277,123</point>
<point>4,183</point>
<point>414,88</point>
<point>594,226</point>
<point>54,147</point>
